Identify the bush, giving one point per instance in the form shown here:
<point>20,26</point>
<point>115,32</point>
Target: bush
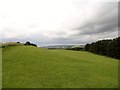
<point>28,43</point>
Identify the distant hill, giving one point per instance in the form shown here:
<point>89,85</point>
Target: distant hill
<point>63,46</point>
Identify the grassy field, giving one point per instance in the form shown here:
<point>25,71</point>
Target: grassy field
<point>31,67</point>
<point>0,68</point>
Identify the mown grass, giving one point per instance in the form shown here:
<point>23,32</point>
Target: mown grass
<point>32,67</point>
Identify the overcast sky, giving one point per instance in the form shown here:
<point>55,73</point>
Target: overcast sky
<point>47,22</point>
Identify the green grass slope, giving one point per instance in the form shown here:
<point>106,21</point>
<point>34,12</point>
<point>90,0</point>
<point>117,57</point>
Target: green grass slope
<point>31,67</point>
<point>0,68</point>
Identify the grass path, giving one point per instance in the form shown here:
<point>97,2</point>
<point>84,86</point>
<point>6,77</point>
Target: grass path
<point>31,67</point>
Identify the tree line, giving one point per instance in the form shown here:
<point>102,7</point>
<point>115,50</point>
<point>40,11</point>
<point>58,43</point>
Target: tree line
<point>76,49</point>
<point>109,47</point>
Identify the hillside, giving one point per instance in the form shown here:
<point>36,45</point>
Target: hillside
<point>32,67</point>
<point>0,68</point>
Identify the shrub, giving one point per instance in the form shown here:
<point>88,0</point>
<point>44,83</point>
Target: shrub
<point>28,43</point>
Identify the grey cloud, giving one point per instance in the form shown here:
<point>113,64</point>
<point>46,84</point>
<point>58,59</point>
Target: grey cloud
<point>102,26</point>
<point>105,20</point>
